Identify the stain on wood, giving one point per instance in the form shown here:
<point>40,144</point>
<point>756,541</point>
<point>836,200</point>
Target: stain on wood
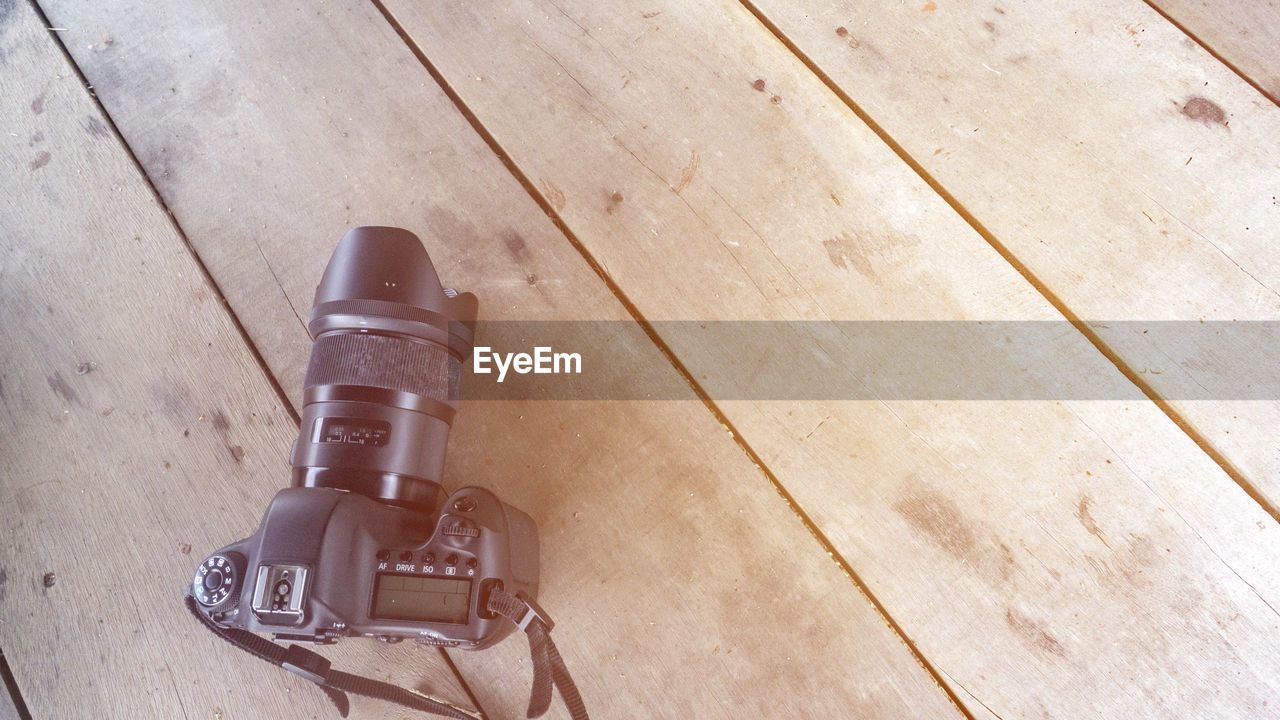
<point>41,159</point>
<point>844,250</point>
<point>1204,110</point>
<point>1086,519</point>
<point>938,518</point>
<point>515,244</point>
<point>553,194</point>
<point>95,127</point>
<point>62,389</point>
<point>688,171</point>
<point>1033,633</point>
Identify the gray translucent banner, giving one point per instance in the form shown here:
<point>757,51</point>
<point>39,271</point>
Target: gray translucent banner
<point>864,360</point>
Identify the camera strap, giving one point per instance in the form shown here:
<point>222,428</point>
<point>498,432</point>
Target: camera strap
<point>548,666</point>
<point>335,683</point>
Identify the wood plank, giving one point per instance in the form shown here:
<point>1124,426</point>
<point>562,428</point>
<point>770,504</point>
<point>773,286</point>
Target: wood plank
<point>1244,34</point>
<point>1093,140</point>
<point>1030,549</point>
<point>8,705</point>
<point>139,431</point>
<point>682,585</point>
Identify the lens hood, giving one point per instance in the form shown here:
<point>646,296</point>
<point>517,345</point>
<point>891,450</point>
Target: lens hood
<point>380,279</point>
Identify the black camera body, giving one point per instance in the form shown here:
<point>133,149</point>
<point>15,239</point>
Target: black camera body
<point>326,564</point>
<point>361,545</point>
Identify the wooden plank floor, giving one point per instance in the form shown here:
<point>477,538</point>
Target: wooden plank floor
<point>8,703</point>
<point>1174,159</point>
<point>623,518</point>
<point>602,161</point>
<point>148,421</point>
<point>1244,35</point>
<point>922,498</point>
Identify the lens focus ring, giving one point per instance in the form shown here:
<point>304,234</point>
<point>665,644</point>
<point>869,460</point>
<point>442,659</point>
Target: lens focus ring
<point>382,361</point>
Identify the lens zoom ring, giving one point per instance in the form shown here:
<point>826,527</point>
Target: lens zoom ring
<point>382,361</point>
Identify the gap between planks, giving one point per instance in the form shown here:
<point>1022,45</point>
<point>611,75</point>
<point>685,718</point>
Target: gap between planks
<point>222,300</point>
<point>1021,268</point>
<point>554,216</point>
<point>1216,55</point>
<point>12,705</point>
<point>173,221</point>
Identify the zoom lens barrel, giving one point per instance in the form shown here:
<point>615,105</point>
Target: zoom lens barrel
<point>382,384</point>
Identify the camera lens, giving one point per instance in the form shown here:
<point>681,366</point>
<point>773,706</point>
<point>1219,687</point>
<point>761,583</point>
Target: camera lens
<point>383,380</point>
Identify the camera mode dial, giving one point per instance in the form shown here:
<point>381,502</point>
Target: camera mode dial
<point>215,579</point>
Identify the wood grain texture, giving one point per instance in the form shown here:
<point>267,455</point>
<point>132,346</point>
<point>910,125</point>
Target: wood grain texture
<point>1052,559</point>
<point>1130,172</point>
<point>138,431</point>
<point>8,709</point>
<point>682,585</point>
<point>1245,34</point>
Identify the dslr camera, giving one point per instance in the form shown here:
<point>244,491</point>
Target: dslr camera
<point>361,544</point>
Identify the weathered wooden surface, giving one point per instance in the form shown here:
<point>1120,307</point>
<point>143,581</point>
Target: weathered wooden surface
<point>8,709</point>
<point>1131,173</point>
<point>139,431</point>
<point>1052,559</point>
<point>682,585</point>
<point>1245,34</point>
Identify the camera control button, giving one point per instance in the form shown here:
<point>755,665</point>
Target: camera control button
<point>428,558</point>
<point>461,529</point>
<point>452,560</point>
<point>466,503</point>
<point>472,564</point>
<point>384,555</point>
<point>213,580</point>
<point>406,556</point>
